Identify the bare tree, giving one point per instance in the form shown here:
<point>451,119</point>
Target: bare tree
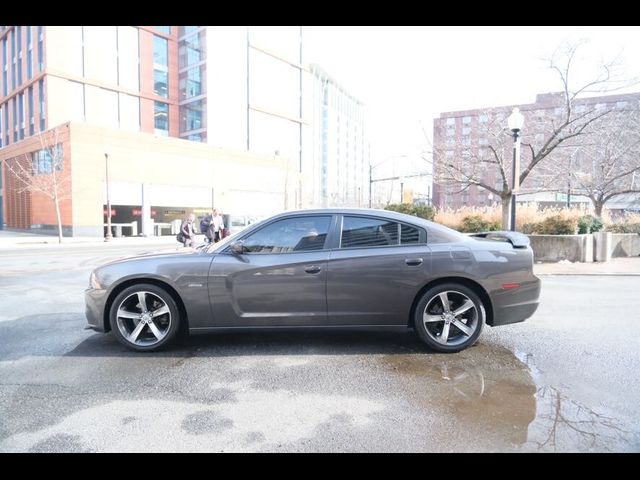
<point>43,172</point>
<point>609,166</point>
<point>565,121</point>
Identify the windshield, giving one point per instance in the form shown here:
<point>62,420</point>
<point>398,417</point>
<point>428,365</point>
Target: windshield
<point>219,246</point>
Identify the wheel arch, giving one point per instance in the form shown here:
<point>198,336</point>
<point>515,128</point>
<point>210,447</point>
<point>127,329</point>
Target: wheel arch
<point>467,282</point>
<point>184,320</point>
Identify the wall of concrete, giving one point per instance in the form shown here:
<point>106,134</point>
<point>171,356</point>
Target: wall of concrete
<point>553,248</point>
<point>625,244</point>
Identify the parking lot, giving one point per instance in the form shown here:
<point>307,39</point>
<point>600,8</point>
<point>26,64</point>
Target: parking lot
<point>565,380</point>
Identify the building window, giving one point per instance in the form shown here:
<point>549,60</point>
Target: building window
<point>41,102</point>
<point>29,53</point>
<point>192,116</point>
<point>621,105</point>
<point>40,48</point>
<point>21,116</point>
<point>160,66</point>
<point>192,82</point>
<point>7,130</point>
<point>483,141</point>
<point>186,30</point>
<point>451,121</point>
<point>483,118</point>
<point>31,113</point>
<point>15,119</point>
<point>191,50</point>
<point>466,120</point>
<point>43,162</point>
<point>5,68</point>
<point>161,118</point>
<point>160,80</point>
<point>165,30</point>
<point>12,34</point>
<point>466,130</point>
<point>19,59</point>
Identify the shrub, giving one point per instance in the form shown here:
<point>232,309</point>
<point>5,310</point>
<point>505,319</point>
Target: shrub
<point>589,224</point>
<point>475,224</point>
<point>624,228</point>
<point>554,225</point>
<point>422,211</point>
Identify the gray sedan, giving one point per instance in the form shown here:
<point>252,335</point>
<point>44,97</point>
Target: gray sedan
<point>322,268</point>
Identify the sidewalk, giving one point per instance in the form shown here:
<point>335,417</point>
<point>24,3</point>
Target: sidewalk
<point>617,266</point>
<point>12,240</point>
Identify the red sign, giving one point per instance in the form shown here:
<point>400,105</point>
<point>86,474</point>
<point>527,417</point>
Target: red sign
<point>113,212</point>
<point>137,212</point>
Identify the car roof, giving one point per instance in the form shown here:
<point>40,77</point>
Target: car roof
<point>403,217</point>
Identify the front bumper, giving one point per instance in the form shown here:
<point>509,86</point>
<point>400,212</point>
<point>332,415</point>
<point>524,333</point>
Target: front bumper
<point>94,300</point>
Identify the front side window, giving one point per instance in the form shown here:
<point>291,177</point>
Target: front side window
<point>300,234</point>
<point>368,232</point>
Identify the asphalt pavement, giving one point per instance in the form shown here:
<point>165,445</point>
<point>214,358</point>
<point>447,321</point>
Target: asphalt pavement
<point>565,380</point>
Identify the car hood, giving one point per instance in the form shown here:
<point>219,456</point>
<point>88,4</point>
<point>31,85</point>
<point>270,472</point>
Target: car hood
<point>155,254</point>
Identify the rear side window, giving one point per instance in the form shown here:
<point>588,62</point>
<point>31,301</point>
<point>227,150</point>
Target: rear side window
<point>409,234</point>
<point>368,232</point>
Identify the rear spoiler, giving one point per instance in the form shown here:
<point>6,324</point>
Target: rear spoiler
<point>518,240</point>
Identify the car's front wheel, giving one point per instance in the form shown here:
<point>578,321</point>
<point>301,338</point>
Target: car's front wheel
<point>144,317</point>
<point>449,317</point>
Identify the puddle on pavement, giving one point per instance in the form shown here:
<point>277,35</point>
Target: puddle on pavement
<point>492,398</point>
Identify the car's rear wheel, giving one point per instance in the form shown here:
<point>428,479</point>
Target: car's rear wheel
<point>449,317</point>
<point>144,317</point>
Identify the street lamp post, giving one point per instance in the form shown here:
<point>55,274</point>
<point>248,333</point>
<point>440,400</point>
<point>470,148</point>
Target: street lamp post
<point>515,122</point>
<point>108,236</point>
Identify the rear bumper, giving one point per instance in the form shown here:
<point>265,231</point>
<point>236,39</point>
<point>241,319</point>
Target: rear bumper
<point>94,308</point>
<point>513,306</point>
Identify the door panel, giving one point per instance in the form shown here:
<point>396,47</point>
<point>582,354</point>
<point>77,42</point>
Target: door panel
<point>269,289</point>
<point>377,285</point>
<point>280,280</point>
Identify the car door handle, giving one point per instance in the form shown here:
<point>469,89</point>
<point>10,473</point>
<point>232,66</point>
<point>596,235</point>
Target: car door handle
<point>312,269</point>
<point>412,262</point>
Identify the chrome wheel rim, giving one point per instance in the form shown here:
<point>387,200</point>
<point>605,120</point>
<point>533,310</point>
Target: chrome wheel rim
<point>450,318</point>
<point>143,318</point>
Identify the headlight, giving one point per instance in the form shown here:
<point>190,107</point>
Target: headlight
<point>93,281</point>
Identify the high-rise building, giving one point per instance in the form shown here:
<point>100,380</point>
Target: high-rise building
<point>340,155</point>
<point>240,89</point>
<point>471,134</point>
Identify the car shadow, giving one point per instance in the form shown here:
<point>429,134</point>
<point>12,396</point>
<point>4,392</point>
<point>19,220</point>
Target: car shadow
<point>287,342</point>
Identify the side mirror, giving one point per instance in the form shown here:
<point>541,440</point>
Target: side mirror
<point>237,247</point>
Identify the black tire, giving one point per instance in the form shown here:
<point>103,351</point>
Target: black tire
<point>147,340</point>
<point>471,320</point>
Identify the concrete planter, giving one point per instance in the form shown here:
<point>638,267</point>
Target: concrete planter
<point>625,244</point>
<point>553,248</point>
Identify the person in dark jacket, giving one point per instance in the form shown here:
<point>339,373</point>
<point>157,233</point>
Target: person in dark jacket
<point>188,231</point>
<point>206,227</point>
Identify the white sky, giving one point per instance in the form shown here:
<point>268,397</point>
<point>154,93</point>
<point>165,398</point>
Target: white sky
<point>408,75</point>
